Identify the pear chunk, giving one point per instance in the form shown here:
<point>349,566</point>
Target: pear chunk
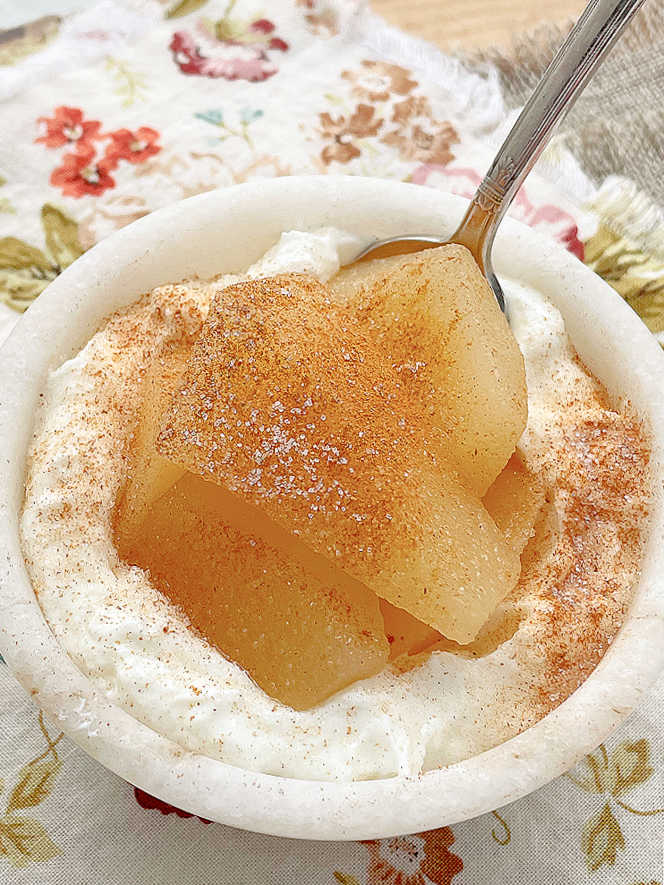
<point>149,474</point>
<point>406,634</point>
<point>300,628</point>
<point>514,502</point>
<point>438,322</point>
<point>290,405</point>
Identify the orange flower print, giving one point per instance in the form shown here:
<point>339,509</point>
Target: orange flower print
<point>341,132</point>
<point>135,147</point>
<point>413,106</point>
<point>440,864</point>
<point>67,126</point>
<point>413,860</point>
<point>82,173</point>
<point>417,136</point>
<point>377,81</point>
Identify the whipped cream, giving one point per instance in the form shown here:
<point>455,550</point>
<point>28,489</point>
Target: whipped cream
<point>137,648</point>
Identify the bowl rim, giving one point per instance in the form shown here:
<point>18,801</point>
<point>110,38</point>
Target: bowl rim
<point>602,327</point>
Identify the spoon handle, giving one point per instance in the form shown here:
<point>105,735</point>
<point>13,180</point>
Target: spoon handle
<point>593,35</point>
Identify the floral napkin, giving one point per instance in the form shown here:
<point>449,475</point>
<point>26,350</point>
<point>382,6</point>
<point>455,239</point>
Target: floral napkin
<point>129,105</point>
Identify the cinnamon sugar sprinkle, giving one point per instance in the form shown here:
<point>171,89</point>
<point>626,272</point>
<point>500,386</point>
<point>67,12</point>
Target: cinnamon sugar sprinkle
<point>578,572</point>
<point>586,586</point>
<point>298,425</point>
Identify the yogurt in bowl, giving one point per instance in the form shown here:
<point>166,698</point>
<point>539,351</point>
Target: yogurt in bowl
<point>385,777</point>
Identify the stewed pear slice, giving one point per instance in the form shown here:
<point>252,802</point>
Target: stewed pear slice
<point>406,634</point>
<point>440,326</point>
<point>300,627</point>
<point>149,474</point>
<point>514,501</point>
<point>290,405</point>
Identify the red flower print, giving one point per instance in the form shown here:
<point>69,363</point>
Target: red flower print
<point>135,147</point>
<point>265,26</point>
<point>245,62</point>
<point>69,127</point>
<point>82,173</point>
<point>550,219</point>
<point>406,860</point>
<point>234,50</point>
<point>570,240</point>
<point>145,800</point>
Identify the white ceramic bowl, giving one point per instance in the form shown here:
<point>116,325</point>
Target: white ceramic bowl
<point>227,230</point>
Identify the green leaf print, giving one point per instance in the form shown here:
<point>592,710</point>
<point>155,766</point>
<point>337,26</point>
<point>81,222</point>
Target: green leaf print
<point>36,780</point>
<point>25,270</point>
<point>185,7</point>
<point>24,840</point>
<point>61,236</point>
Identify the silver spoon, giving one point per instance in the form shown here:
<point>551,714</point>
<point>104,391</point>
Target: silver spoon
<point>591,38</point>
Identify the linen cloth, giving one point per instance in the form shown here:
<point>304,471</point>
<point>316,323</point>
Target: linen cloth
<point>129,105</point>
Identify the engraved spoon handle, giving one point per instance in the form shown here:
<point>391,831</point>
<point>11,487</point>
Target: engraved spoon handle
<point>593,35</point>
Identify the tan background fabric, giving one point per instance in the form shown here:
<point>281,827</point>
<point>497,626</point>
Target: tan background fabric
<point>474,23</point>
<point>617,125</point>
